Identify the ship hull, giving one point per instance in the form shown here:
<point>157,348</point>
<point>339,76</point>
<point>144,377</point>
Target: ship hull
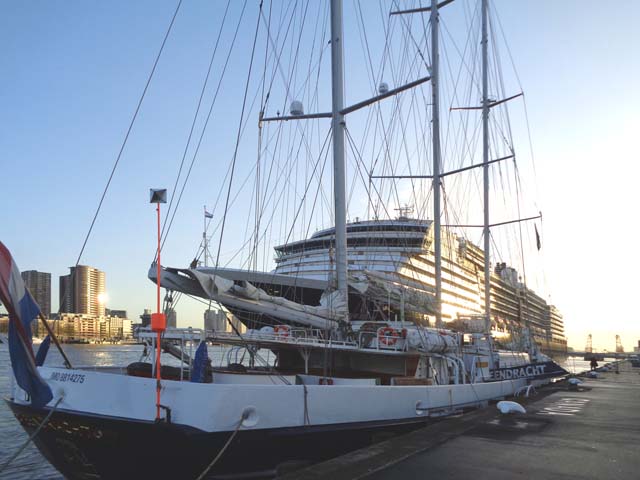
<point>104,426</point>
<point>85,446</point>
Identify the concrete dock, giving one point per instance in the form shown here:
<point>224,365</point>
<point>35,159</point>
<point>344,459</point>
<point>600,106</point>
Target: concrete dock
<point>591,433</point>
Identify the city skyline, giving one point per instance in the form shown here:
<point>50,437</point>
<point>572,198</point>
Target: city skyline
<point>39,285</point>
<point>629,344</point>
<point>78,90</point>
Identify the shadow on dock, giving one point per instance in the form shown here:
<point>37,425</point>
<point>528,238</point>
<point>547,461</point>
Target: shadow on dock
<point>588,432</point>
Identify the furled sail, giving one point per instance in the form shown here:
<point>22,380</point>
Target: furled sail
<point>244,295</point>
<point>400,293</point>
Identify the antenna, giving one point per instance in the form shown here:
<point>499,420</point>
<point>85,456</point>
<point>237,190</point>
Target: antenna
<point>404,212</point>
<point>205,243</point>
<point>158,319</point>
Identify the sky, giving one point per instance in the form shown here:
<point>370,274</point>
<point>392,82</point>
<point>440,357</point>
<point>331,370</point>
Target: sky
<point>73,72</point>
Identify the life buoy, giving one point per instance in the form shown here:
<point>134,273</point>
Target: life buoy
<point>388,336</point>
<point>281,330</point>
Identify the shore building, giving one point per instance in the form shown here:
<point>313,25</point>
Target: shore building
<point>82,291</point>
<point>39,284</point>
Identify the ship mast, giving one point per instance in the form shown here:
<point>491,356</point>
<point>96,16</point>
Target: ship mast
<point>485,169</point>
<point>337,116</point>
<point>436,160</point>
<point>337,126</point>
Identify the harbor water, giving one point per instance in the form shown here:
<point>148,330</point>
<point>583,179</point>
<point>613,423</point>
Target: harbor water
<point>31,464</point>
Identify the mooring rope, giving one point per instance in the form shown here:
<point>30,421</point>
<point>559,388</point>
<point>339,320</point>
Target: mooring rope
<point>245,414</point>
<point>33,435</point>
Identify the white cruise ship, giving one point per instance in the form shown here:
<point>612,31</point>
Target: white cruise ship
<point>395,260</point>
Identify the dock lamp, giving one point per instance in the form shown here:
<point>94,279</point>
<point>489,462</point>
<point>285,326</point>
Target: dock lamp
<point>158,319</point>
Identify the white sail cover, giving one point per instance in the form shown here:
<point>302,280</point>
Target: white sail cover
<point>430,340</point>
<point>242,294</point>
<point>401,293</point>
<point>246,296</point>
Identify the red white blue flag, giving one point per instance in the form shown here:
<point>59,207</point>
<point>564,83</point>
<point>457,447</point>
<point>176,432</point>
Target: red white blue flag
<point>22,310</point>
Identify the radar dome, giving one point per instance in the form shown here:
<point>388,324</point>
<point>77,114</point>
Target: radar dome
<point>296,108</point>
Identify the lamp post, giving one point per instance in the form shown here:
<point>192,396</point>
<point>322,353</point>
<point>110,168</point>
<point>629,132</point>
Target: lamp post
<point>158,319</point>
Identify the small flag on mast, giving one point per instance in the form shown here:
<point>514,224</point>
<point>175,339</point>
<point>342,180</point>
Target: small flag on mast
<point>538,244</point>
<point>207,214</point>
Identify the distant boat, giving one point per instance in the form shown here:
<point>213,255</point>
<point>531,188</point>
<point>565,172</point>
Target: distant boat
<point>82,341</point>
<point>594,356</point>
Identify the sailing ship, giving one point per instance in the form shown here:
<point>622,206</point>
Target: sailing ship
<point>362,348</point>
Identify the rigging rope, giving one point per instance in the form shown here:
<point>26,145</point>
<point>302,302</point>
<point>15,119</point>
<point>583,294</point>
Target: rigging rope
<point>235,153</point>
<point>32,436</point>
<point>266,194</point>
<point>245,415</point>
<point>206,122</point>
<point>195,118</point>
<point>122,147</point>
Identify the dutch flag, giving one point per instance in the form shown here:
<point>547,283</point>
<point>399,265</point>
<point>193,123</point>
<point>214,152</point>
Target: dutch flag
<point>22,310</point>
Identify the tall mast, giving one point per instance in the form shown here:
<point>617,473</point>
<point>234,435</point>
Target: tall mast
<point>337,126</point>
<point>485,168</point>
<point>436,159</point>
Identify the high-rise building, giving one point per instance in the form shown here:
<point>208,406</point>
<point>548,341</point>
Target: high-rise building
<point>82,291</point>
<point>145,318</point>
<point>215,320</point>
<point>39,284</point>
<point>65,294</point>
<point>109,312</point>
<point>172,318</point>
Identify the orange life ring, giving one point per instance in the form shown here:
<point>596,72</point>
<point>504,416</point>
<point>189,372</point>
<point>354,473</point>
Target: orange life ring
<point>281,330</point>
<point>388,336</point>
